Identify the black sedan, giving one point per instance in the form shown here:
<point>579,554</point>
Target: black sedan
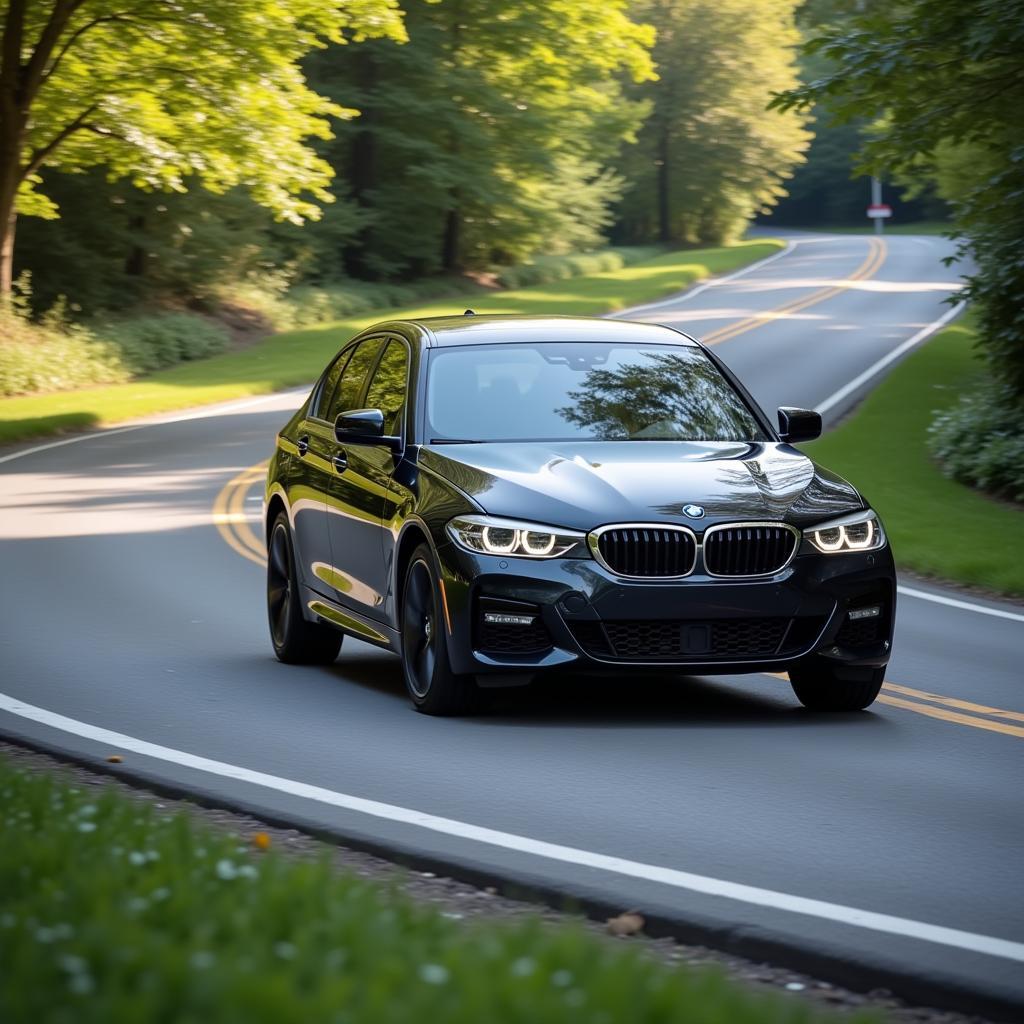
<point>494,498</point>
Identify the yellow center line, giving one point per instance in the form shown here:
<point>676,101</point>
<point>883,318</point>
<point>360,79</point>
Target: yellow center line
<point>953,702</point>
<point>951,716</point>
<point>230,518</point>
<point>871,264</point>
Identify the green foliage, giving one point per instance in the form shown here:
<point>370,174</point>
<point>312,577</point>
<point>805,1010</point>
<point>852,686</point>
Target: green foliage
<point>113,912</point>
<point>544,269</point>
<point>161,93</point>
<point>884,447</point>
<point>944,76</point>
<point>980,440</point>
<point>709,157</point>
<point>56,354</point>
<point>483,139</point>
<point>150,343</point>
<point>52,355</point>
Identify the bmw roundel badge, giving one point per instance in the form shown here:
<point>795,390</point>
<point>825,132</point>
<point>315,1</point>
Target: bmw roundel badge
<point>694,511</point>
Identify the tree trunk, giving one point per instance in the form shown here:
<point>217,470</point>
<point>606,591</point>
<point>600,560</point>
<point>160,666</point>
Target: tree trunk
<point>8,220</point>
<point>450,244</point>
<point>664,189</point>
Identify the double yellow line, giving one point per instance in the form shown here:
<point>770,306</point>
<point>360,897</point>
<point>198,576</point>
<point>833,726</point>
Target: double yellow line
<point>871,265</point>
<point>231,518</point>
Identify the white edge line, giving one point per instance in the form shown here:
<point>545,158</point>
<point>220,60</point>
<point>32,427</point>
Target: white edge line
<point>197,413</point>
<point>875,368</point>
<point>904,927</point>
<point>709,283</point>
<point>952,602</point>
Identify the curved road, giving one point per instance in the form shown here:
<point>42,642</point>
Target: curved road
<point>891,840</point>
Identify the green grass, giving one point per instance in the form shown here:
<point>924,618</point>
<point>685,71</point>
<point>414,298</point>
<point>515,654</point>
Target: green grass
<point>114,912</point>
<point>296,357</point>
<point>937,527</point>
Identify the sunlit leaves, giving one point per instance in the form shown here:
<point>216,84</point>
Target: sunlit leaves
<point>167,93</point>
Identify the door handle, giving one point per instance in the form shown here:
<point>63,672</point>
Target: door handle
<point>303,445</point>
<point>340,462</point>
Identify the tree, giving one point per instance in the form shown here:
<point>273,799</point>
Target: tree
<point>944,79</point>
<point>163,91</point>
<point>475,132</point>
<point>709,155</point>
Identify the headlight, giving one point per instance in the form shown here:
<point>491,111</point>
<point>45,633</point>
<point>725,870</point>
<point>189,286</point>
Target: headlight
<point>860,531</point>
<point>492,536</point>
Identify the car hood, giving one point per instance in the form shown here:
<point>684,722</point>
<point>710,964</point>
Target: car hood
<point>585,484</point>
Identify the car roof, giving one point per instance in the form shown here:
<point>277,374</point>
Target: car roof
<point>493,328</point>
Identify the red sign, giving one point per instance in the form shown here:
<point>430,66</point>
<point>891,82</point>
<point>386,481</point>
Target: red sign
<point>879,210</point>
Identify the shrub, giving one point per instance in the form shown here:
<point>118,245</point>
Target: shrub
<point>545,269</point>
<point>980,440</point>
<point>150,343</point>
<point>54,354</point>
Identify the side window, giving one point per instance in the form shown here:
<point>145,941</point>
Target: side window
<point>388,386</point>
<point>330,383</point>
<point>350,385</point>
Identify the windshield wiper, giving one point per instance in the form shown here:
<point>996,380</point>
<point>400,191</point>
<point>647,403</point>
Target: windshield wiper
<point>455,440</point>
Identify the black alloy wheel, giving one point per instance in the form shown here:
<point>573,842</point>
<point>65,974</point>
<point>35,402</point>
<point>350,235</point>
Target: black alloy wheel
<point>433,687</point>
<point>822,686</point>
<point>296,641</point>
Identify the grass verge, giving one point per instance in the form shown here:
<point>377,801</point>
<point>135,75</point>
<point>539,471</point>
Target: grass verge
<point>113,912</point>
<point>937,527</point>
<point>296,357</point>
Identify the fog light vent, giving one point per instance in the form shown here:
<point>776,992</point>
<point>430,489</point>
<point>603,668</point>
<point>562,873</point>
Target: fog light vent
<point>509,627</point>
<point>502,619</point>
<point>865,613</point>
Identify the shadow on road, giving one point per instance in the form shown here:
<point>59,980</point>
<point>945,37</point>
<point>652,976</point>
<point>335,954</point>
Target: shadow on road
<point>630,701</point>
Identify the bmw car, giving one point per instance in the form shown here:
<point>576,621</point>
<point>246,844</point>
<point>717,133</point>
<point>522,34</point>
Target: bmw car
<point>499,498</point>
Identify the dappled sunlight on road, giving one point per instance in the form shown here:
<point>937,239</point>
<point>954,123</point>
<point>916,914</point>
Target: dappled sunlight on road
<point>41,505</point>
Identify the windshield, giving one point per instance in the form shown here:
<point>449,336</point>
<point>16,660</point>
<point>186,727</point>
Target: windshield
<point>582,391</point>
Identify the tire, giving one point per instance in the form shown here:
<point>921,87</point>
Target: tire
<point>296,641</point>
<point>821,686</point>
<point>433,687</point>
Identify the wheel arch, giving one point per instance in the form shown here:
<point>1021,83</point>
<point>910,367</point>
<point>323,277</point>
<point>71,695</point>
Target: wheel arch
<point>275,504</point>
<point>413,535</point>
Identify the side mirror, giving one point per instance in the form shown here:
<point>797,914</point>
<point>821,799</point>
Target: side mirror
<point>364,426</point>
<point>797,425</point>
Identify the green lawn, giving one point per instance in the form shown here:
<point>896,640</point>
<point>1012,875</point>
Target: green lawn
<point>115,912</point>
<point>296,357</point>
<point>937,527</point>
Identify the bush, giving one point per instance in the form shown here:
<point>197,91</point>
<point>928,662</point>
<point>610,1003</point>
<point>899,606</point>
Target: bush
<point>152,342</point>
<point>546,269</point>
<point>306,305</point>
<point>980,441</point>
<point>55,354</point>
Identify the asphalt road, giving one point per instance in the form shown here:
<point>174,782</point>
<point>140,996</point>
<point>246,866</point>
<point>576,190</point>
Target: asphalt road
<point>890,841</point>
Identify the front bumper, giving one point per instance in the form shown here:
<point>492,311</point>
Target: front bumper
<point>588,618</point>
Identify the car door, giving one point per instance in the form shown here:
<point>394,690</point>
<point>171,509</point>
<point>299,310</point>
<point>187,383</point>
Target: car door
<point>310,478</point>
<point>360,504</point>
<point>344,384</point>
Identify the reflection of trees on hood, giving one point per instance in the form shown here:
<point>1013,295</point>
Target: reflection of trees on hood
<point>667,396</point>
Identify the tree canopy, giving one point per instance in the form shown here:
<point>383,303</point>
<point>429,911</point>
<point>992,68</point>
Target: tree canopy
<point>709,156</point>
<point>163,90</point>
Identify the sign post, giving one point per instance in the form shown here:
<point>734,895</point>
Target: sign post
<point>878,211</point>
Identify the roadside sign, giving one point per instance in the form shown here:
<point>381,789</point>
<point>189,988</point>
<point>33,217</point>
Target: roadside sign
<point>879,210</point>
